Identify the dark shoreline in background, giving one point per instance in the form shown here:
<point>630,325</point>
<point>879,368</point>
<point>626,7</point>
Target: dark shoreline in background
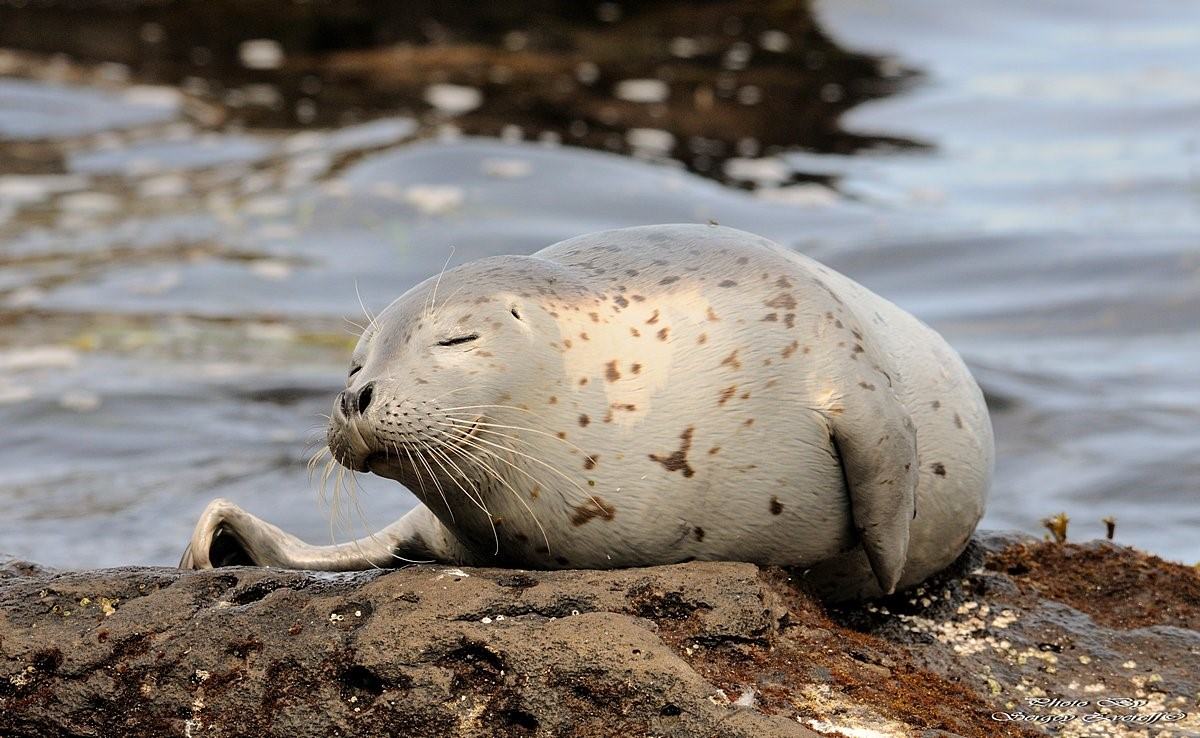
<point>722,79</point>
<point>681,650</point>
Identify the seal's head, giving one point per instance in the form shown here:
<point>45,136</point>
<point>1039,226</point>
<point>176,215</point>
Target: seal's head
<point>435,362</point>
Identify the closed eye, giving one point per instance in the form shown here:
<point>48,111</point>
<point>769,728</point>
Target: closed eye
<point>460,339</point>
<point>354,370</point>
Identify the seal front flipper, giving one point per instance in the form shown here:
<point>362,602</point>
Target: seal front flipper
<point>876,445</point>
<point>227,535</point>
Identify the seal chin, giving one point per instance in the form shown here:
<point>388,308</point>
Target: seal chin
<point>349,448</point>
<point>380,464</point>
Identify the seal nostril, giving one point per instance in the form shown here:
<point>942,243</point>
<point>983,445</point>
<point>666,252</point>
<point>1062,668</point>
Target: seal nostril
<point>346,400</point>
<point>364,396</point>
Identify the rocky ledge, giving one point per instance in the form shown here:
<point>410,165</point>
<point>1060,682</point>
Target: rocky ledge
<point>704,649</point>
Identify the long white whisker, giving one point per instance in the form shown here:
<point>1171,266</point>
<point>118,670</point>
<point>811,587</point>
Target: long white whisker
<point>449,416</point>
<point>500,479</point>
<point>480,503</point>
<point>438,282</point>
<point>370,318</point>
<point>412,462</point>
<point>471,442</point>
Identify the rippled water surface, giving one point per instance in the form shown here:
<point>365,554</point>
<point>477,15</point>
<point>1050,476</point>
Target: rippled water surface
<point>175,300</point>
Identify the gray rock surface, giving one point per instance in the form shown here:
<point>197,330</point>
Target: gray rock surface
<point>698,649</point>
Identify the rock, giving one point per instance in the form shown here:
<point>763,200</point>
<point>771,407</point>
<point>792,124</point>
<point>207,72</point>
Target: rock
<point>695,649</point>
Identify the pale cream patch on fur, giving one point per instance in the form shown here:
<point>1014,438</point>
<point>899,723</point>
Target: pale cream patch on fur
<point>611,340</point>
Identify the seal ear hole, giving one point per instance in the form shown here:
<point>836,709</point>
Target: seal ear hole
<point>515,313</point>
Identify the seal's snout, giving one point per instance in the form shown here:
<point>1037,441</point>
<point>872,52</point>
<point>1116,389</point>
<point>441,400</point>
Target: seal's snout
<point>350,435</point>
<point>356,403</point>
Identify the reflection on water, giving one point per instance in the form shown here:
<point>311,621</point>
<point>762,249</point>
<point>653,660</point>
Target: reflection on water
<point>175,290</point>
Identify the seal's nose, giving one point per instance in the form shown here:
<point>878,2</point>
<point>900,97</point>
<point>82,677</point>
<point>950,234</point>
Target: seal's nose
<point>364,396</point>
<point>357,402</point>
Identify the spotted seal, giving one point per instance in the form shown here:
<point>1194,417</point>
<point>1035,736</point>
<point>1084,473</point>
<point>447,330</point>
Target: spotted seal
<point>649,396</point>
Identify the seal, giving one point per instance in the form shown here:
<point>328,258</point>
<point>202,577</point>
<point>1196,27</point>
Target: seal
<point>649,396</point>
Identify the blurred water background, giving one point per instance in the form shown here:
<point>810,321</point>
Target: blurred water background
<point>193,196</point>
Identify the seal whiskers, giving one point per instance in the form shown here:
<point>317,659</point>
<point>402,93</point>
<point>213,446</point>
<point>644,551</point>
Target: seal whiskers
<point>503,481</point>
<point>531,458</point>
<point>498,477</point>
<point>478,499</point>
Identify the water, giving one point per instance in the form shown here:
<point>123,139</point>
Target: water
<point>174,297</point>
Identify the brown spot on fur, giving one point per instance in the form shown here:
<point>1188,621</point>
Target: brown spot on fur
<point>632,272</point>
<point>536,491</point>
<point>782,282</point>
<point>743,260</point>
<point>621,301</point>
<point>610,371</point>
<point>484,354</point>
<point>771,318</point>
<point>562,435</point>
<point>790,320</point>
<point>776,506</point>
<point>584,336</point>
<point>584,420</point>
<point>726,393</point>
<point>745,395</point>
<point>790,349</point>
<point>858,349</point>
<point>653,318</point>
<point>732,361</point>
<point>939,469</point>
<point>677,461</point>
<point>867,386</point>
<point>553,400</point>
<point>698,532</point>
<point>668,280</point>
<point>727,283</point>
<point>856,333</point>
<point>936,404</point>
<point>567,343</point>
<point>702,339</point>
<point>637,298</point>
<point>595,317</point>
<point>583,381</point>
<point>783,301</point>
<point>635,368</point>
<point>662,334</point>
<point>589,462</point>
<point>714,451</point>
<point>957,421</point>
<point>749,422</point>
<point>594,508</point>
<point>711,316</point>
<point>635,332</point>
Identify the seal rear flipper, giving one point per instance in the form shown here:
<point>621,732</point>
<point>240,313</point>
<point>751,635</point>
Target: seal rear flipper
<point>876,444</point>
